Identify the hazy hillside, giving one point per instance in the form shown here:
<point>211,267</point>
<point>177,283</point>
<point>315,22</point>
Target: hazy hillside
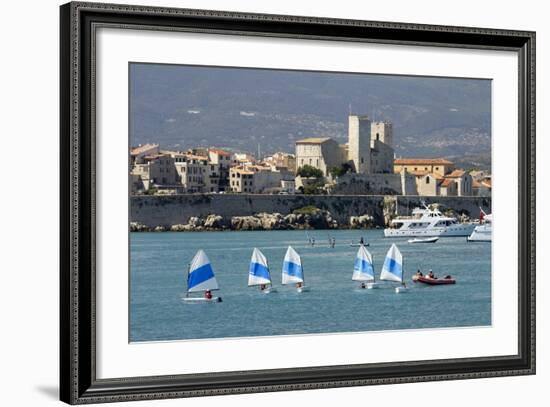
<point>181,107</point>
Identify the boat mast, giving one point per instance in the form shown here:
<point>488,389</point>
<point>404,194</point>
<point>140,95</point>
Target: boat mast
<point>188,271</point>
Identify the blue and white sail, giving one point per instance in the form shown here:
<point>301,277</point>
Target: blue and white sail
<point>392,269</point>
<point>363,270</point>
<point>258,272</point>
<point>292,267</point>
<point>201,275</point>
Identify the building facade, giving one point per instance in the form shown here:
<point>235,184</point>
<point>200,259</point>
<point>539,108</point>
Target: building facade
<point>369,149</point>
<point>359,143</point>
<point>437,166</point>
<point>319,152</point>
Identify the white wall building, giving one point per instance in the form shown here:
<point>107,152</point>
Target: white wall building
<point>319,152</point>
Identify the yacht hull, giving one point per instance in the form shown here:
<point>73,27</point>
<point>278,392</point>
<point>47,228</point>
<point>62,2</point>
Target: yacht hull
<point>481,234</point>
<point>459,230</point>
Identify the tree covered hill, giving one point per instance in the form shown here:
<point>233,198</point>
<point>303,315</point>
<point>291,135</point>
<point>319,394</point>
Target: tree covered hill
<point>188,106</point>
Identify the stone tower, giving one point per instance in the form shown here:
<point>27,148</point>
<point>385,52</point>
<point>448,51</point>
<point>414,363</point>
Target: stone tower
<point>359,136</point>
<point>383,132</point>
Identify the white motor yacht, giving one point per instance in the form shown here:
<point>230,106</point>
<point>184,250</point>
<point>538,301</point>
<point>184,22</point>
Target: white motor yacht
<point>484,231</point>
<point>427,222</point>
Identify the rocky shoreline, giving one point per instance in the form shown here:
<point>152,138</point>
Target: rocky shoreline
<point>312,219</point>
<point>305,218</point>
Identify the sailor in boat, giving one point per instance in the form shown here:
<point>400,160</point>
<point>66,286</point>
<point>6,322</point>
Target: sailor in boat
<point>200,278</point>
<point>312,241</point>
<point>361,241</point>
<point>419,273</point>
<point>363,285</point>
<point>258,272</point>
<point>333,242</point>
<point>393,269</point>
<point>431,274</point>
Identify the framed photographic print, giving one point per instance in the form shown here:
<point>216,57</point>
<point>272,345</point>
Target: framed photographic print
<point>255,203</point>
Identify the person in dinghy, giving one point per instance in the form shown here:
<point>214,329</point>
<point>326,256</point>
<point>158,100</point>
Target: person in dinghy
<point>200,277</point>
<point>293,272</point>
<point>258,272</point>
<point>393,269</point>
<point>363,269</point>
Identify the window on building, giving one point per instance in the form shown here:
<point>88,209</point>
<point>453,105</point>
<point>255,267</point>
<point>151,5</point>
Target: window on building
<point>437,168</point>
<point>310,161</point>
<point>427,180</point>
<point>377,136</point>
<point>362,160</point>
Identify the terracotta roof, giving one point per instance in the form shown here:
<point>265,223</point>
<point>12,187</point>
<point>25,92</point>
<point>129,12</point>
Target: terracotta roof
<point>487,183</point>
<point>152,157</point>
<point>196,157</point>
<point>143,148</point>
<point>313,140</point>
<point>422,161</point>
<point>446,182</point>
<point>172,153</point>
<point>456,174</point>
<point>242,171</point>
<point>218,151</point>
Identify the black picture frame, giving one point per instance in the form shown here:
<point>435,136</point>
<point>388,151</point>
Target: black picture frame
<point>78,382</point>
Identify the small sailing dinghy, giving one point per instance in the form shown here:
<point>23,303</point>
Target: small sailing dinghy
<point>200,278</point>
<point>424,240</point>
<point>392,270</point>
<point>293,272</point>
<point>363,270</point>
<point>258,273</point>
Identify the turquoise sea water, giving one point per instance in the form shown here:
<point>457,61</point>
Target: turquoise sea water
<point>158,270</point>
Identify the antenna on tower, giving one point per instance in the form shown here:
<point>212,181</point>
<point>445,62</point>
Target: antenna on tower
<point>259,156</point>
<point>350,109</point>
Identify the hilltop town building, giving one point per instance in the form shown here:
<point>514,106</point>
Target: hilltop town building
<point>369,149</point>
<point>220,162</point>
<point>255,179</point>
<point>359,143</point>
<point>320,152</point>
<point>482,188</point>
<point>436,176</point>
<point>154,171</point>
<point>281,160</point>
<point>421,166</point>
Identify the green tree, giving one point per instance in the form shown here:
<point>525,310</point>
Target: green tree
<point>307,171</point>
<point>340,170</point>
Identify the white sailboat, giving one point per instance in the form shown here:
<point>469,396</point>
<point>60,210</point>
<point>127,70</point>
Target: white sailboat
<point>392,270</point>
<point>201,278</point>
<point>258,273</point>
<point>363,270</point>
<point>293,272</point>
